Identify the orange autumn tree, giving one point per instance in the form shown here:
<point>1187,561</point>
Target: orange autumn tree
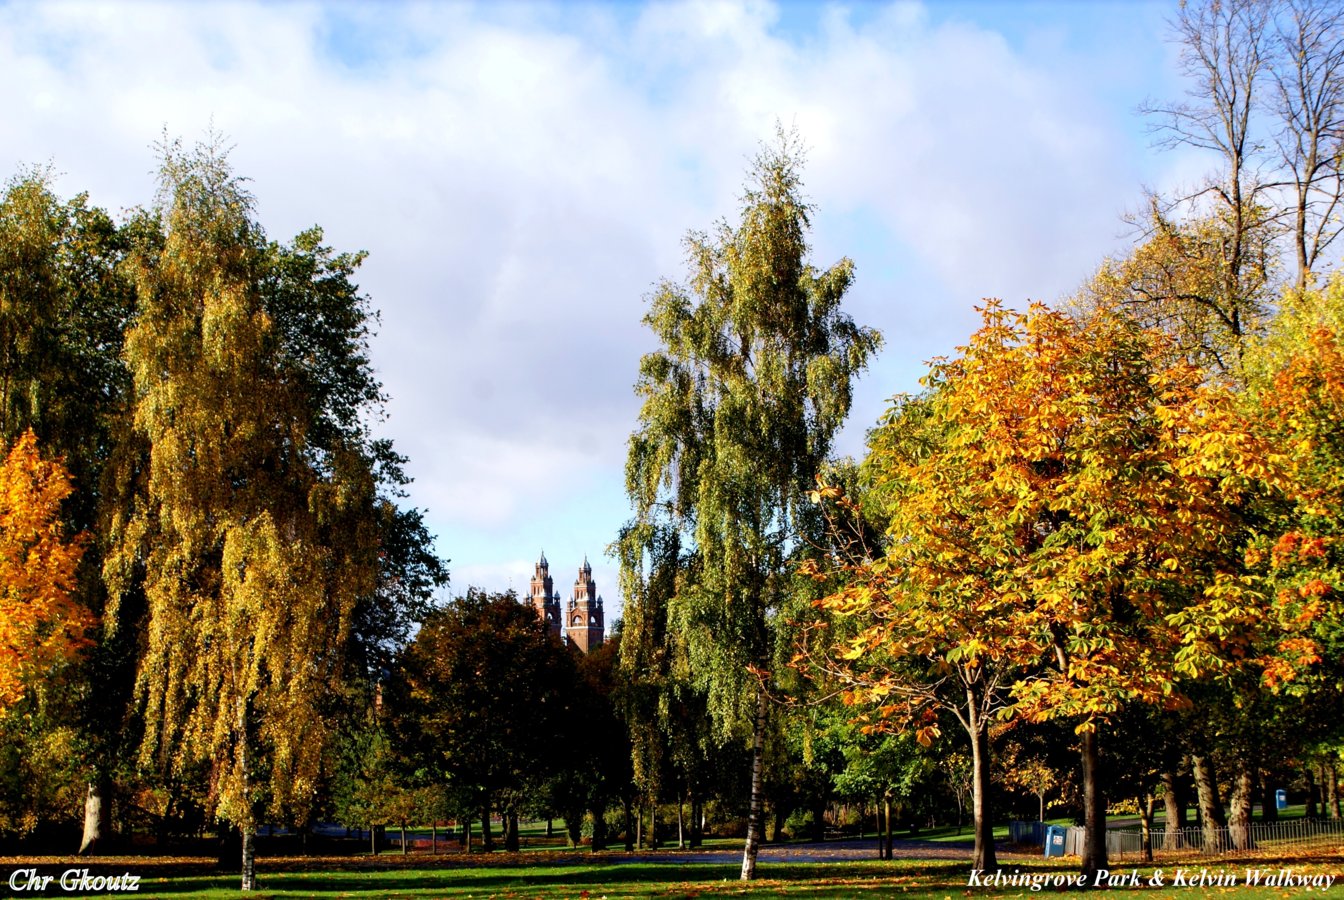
<point>40,625</point>
<point>1057,492</point>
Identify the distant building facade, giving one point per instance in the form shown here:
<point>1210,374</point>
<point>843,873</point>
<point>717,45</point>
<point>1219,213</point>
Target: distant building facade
<point>580,623</point>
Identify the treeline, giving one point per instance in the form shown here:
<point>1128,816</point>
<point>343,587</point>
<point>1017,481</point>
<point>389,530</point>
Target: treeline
<point>1095,560</point>
<point>207,566</point>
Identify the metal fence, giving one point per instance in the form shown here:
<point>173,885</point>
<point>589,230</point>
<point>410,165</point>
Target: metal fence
<point>1269,838</point>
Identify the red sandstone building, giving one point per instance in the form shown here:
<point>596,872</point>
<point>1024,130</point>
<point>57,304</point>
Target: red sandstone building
<point>581,622</point>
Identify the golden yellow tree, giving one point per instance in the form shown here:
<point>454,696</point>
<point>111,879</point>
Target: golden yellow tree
<point>40,625</point>
<point>254,543</point>
<point>1063,488</point>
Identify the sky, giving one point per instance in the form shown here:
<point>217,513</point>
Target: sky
<point>523,175</point>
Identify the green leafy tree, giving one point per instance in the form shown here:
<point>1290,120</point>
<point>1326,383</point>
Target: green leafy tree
<point>488,693</point>
<point>739,408</point>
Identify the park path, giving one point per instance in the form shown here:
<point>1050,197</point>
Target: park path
<point>818,853</point>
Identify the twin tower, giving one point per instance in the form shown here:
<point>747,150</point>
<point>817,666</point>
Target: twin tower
<point>582,621</point>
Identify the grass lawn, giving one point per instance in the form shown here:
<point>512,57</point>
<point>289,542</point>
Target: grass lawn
<point>584,876</point>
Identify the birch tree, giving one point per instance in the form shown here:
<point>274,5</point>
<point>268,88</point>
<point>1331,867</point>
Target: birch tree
<point>740,405</point>
<point>253,544</point>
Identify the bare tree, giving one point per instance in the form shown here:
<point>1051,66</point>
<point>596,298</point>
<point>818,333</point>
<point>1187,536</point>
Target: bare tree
<point>1307,70</point>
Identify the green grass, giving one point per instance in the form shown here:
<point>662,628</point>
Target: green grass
<point>612,877</point>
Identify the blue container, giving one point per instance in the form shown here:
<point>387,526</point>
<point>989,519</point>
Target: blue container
<point>1280,798</point>
<point>1054,841</point>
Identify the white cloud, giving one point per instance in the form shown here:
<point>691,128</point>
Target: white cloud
<point>523,175</point>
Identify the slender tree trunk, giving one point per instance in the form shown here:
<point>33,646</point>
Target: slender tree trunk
<point>1239,822</point>
<point>985,858</point>
<point>697,822</point>
<point>1094,808</point>
<point>1310,811</point>
<point>681,826</point>
<point>757,787</point>
<point>97,817</point>
<point>403,838</point>
<point>887,815</point>
<point>1173,800</point>
<point>373,839</point>
<point>629,832</point>
<point>639,824</point>
<point>512,840</point>
<point>1331,773</point>
<point>653,824</point>
<point>1210,804</point>
<point>249,858</point>
<point>466,834</point>
<point>434,838</point>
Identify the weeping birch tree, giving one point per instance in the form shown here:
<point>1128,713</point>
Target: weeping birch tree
<point>252,541</point>
<point>739,409</point>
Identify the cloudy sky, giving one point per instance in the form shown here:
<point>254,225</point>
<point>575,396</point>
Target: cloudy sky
<point>523,174</point>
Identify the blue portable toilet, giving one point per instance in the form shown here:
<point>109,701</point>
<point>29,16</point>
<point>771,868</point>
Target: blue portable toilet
<point>1054,841</point>
<point>1280,798</point>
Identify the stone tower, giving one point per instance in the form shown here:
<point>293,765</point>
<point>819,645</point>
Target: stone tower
<point>544,597</point>
<point>583,618</point>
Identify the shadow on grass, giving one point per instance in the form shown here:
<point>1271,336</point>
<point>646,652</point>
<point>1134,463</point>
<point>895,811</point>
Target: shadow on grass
<point>606,878</point>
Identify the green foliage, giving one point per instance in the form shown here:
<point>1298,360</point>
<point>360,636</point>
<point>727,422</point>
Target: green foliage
<point>488,694</point>
<point>739,409</point>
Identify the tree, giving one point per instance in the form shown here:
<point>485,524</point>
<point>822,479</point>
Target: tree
<point>488,690</point>
<point>254,543</point>
<point>41,627</point>
<point>1266,98</point>
<point>1058,492</point>
<point>1307,69</point>
<point>739,409</point>
<point>64,306</point>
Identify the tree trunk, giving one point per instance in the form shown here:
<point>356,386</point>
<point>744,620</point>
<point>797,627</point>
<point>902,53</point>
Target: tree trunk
<point>403,838</point>
<point>373,839</point>
<point>681,825</point>
<point>574,829</point>
<point>653,824</point>
<point>985,858</point>
<point>1239,822</point>
<point>1269,800</point>
<point>819,822</point>
<point>599,828</point>
<point>434,838</point>
<point>487,839</point>
<point>629,832</point>
<point>1173,801</point>
<point>550,828</point>
<point>97,817</point>
<point>1331,780</point>
<point>757,787</point>
<point>1210,805</point>
<point>249,859</point>
<point>639,825</point>
<point>466,835</point>
<point>1094,808</point>
<point>1310,812</point>
<point>1147,809</point>
<point>886,806</point>
<point>512,840</point>
<point>697,822</point>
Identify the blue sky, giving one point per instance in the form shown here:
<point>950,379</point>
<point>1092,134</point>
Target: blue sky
<point>523,174</point>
